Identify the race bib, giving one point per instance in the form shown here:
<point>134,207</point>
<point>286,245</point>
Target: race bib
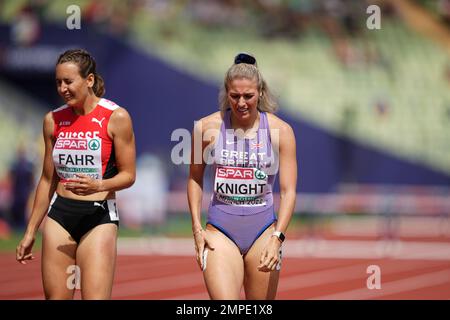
<point>240,186</point>
<point>78,155</point>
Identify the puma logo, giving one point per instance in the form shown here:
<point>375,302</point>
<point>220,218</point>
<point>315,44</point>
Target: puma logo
<point>99,122</point>
<point>98,204</point>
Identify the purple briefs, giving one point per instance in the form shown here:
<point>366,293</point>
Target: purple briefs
<point>243,230</point>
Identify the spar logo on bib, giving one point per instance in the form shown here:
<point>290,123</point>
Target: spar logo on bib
<point>94,144</point>
<point>234,173</point>
<point>260,175</point>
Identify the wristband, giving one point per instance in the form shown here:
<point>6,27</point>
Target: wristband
<point>279,235</point>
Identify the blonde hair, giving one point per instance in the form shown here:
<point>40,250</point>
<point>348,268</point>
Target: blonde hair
<point>266,102</point>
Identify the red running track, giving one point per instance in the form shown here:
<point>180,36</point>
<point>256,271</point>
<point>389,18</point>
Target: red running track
<point>178,277</point>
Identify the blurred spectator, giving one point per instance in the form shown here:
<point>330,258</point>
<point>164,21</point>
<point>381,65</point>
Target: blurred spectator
<point>114,17</point>
<point>381,106</point>
<point>389,224</point>
<point>221,13</point>
<point>440,8</point>
<point>345,148</point>
<point>22,182</point>
<point>347,13</point>
<point>98,13</point>
<point>4,206</point>
<point>123,14</point>
<point>26,27</point>
<point>444,11</point>
<point>4,230</point>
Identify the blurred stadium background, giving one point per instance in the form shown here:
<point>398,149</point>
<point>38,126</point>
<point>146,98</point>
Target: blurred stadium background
<point>370,110</point>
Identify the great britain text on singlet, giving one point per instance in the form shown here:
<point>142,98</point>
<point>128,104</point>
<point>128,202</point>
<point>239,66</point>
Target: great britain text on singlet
<point>181,152</point>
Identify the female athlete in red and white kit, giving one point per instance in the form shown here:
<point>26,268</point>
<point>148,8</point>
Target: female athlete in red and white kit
<point>89,154</point>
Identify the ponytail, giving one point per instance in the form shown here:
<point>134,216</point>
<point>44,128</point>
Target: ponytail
<point>99,86</point>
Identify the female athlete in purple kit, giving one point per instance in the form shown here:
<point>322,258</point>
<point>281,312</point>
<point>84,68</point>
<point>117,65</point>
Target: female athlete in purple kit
<point>247,145</point>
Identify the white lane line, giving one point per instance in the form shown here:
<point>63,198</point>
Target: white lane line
<point>337,249</point>
<point>326,277</point>
<point>363,249</point>
<point>146,286</point>
<point>156,246</point>
<point>335,275</point>
<point>392,287</point>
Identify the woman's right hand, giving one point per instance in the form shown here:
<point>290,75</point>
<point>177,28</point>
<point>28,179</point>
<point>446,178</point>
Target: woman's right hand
<point>23,250</point>
<point>201,243</point>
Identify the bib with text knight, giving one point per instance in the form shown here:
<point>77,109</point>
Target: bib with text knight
<point>240,186</point>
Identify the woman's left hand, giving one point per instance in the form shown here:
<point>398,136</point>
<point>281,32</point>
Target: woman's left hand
<point>270,256</point>
<point>83,185</point>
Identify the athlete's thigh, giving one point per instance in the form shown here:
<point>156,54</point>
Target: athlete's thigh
<point>259,285</point>
<point>224,271</point>
<point>58,261</point>
<point>96,256</point>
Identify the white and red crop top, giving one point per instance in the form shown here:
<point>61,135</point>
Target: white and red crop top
<point>82,143</point>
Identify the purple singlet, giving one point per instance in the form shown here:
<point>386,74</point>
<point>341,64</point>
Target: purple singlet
<point>244,173</point>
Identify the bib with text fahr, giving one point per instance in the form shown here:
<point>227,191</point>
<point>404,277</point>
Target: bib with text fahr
<point>240,186</point>
<point>78,152</point>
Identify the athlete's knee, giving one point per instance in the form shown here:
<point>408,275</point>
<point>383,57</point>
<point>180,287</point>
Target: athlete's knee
<point>94,288</point>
